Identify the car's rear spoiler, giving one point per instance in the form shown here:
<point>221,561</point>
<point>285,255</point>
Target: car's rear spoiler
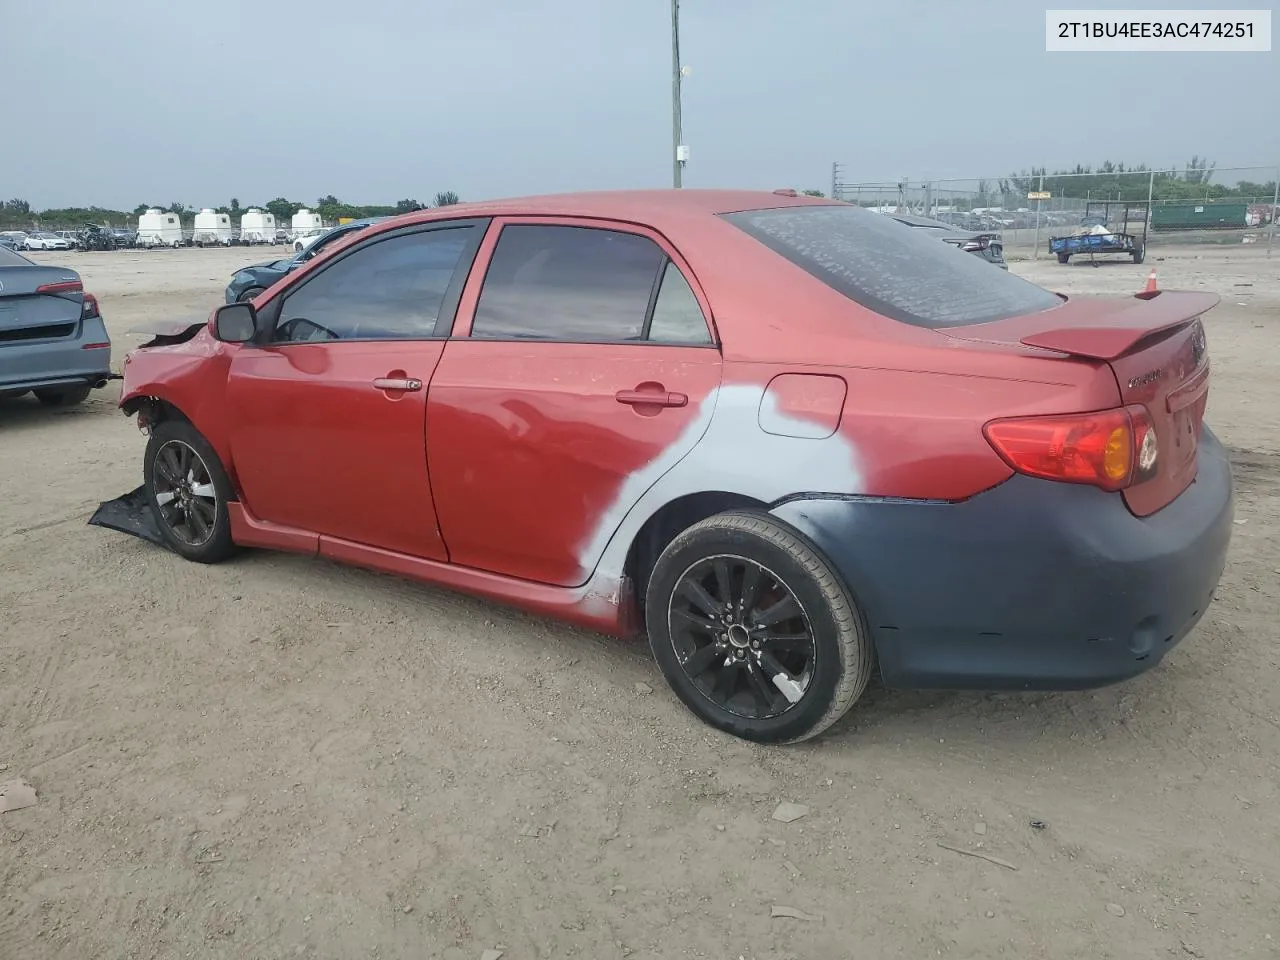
<point>1113,335</point>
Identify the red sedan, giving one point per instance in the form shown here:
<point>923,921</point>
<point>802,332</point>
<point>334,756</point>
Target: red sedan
<point>786,437</point>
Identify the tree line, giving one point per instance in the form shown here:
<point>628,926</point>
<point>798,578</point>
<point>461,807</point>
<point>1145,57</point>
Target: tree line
<point>1116,181</point>
<point>17,214</point>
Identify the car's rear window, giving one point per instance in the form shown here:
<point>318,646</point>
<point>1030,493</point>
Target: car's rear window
<point>10,258</point>
<point>897,271</point>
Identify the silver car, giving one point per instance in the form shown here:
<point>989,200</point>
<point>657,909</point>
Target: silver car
<point>52,338</point>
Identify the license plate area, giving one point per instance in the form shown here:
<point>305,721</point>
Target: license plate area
<point>1186,435</point>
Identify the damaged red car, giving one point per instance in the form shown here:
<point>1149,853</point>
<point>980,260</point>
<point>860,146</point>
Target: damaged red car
<point>788,438</point>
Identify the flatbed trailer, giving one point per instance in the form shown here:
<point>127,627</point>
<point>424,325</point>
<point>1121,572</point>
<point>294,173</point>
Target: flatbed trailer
<point>1121,241</point>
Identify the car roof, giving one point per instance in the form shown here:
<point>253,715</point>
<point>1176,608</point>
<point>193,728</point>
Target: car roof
<point>642,206</point>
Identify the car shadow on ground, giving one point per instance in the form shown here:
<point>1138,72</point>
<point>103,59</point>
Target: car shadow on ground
<point>1117,262</point>
<point>27,413</point>
<point>963,721</point>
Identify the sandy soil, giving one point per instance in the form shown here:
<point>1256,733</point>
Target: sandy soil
<point>278,757</point>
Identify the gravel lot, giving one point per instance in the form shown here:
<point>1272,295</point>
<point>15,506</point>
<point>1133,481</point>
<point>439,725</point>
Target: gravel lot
<point>279,757</point>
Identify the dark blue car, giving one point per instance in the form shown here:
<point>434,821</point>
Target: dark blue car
<point>251,281</point>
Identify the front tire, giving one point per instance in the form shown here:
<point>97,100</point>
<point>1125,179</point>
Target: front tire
<point>249,294</point>
<point>188,491</point>
<point>67,397</point>
<point>754,631</point>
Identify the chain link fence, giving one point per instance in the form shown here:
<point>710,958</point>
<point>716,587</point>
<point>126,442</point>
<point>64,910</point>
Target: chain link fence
<point>1156,209</point>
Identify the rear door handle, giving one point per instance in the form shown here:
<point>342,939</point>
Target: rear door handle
<point>645,398</point>
<point>397,383</point>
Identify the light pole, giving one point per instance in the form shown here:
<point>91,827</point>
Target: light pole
<point>679,152</point>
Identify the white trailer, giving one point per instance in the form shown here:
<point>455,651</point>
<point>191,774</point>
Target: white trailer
<point>257,226</point>
<point>212,229</point>
<point>305,227</point>
<point>159,228</point>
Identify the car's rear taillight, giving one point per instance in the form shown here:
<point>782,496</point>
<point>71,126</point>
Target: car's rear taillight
<point>1111,449</point>
<point>62,286</point>
<point>89,307</point>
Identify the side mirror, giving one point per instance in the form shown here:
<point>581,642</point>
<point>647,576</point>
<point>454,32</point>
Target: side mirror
<point>235,323</point>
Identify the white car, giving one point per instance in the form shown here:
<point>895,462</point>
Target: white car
<point>46,241</point>
<point>305,239</point>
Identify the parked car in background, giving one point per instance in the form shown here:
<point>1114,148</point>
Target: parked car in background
<point>305,239</point>
<point>250,281</point>
<point>788,437</point>
<point>13,239</point>
<point>52,338</point>
<point>124,237</point>
<point>46,241</point>
<point>981,243</point>
<point>93,237</point>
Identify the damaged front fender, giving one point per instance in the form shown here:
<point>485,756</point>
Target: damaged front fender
<point>182,370</point>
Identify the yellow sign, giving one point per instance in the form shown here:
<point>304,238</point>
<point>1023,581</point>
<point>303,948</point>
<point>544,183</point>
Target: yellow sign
<point>350,219</point>
<point>1038,195</point>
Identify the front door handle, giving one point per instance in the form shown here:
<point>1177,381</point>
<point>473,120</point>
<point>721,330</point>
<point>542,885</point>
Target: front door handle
<point>397,383</point>
<point>651,398</point>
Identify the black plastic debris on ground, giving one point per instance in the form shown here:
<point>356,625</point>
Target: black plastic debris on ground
<point>130,514</point>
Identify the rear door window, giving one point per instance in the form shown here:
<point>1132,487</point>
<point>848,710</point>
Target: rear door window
<point>579,284</point>
<point>898,271</point>
<point>677,317</point>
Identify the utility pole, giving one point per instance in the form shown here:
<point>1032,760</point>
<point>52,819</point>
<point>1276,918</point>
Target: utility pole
<point>1275,200</point>
<point>1035,253</point>
<point>1146,226</point>
<point>678,151</point>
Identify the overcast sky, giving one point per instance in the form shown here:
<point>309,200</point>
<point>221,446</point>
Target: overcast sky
<point>120,102</point>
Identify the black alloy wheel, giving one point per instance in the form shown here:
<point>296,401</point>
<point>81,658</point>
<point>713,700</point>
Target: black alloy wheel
<point>742,636</point>
<point>184,492</point>
<point>754,630</point>
<point>188,490</point>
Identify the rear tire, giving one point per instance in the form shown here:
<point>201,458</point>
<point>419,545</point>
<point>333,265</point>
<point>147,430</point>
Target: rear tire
<point>61,397</point>
<point>1064,257</point>
<point>754,631</point>
<point>188,490</point>
<point>1139,254</point>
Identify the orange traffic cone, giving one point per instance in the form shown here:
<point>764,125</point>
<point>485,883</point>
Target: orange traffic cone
<point>1151,282</point>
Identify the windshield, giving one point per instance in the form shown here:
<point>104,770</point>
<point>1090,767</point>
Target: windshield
<point>897,271</point>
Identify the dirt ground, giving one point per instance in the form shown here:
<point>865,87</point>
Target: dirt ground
<point>279,757</point>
